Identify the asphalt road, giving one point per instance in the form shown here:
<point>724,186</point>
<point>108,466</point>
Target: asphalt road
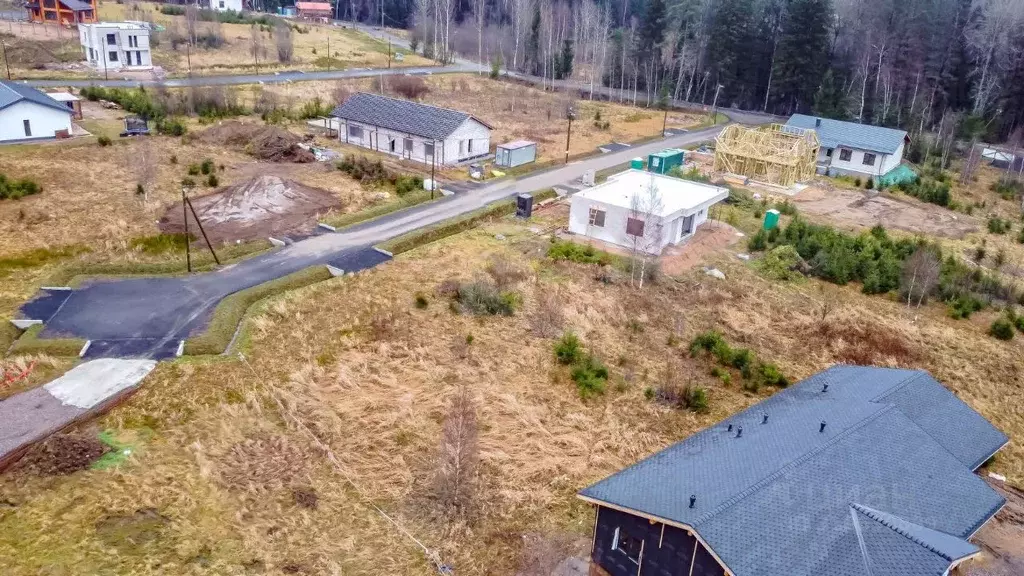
<point>160,311</point>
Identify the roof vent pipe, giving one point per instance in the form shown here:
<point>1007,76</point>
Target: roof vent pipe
<point>729,429</point>
<point>824,387</point>
<point>822,428</point>
<point>817,122</point>
<point>764,418</point>
<point>739,431</point>
<point>693,500</point>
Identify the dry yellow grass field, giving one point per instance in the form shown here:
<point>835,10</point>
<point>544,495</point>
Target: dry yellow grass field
<point>353,366</point>
<point>348,47</point>
<point>520,112</point>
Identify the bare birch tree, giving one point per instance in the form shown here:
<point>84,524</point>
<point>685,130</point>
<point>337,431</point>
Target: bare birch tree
<point>644,229</point>
<point>920,275</point>
<point>458,456</point>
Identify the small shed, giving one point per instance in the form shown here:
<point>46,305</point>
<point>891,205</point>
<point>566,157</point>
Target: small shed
<point>664,161</point>
<point>516,153</point>
<point>74,103</point>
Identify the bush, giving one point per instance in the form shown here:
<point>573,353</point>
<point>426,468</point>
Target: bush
<point>997,225</point>
<point>706,342</point>
<point>781,263</point>
<point>856,182</point>
<point>482,298</point>
<point>692,397</point>
<point>206,167</point>
<point>786,207</point>
<point>15,189</point>
<point>568,349</point>
<point>421,300</point>
<point>928,189</point>
<point>193,170</point>
<point>758,241</point>
<point>770,375</point>
<point>104,141</point>
<point>212,181</point>
<point>590,376</point>
<point>580,253</point>
<point>869,185</point>
<point>1001,329</point>
<point>174,159</point>
<point>171,127</point>
<point>963,306</point>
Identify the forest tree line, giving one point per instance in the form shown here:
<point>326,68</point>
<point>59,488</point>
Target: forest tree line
<point>917,64</point>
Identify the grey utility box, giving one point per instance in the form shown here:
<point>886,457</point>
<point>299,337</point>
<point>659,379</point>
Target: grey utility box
<point>515,153</point>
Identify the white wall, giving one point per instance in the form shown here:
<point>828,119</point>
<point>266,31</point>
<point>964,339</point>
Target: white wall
<point>855,165</point>
<point>380,139</point>
<point>43,121</point>
<point>225,5</point>
<point>470,131</point>
<point>614,229</point>
<point>94,36</point>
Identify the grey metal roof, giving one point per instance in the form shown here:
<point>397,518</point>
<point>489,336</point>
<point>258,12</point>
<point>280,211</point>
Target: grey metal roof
<point>517,144</point>
<point>836,133</point>
<point>11,93</point>
<point>897,448</point>
<point>400,115</point>
<point>76,5</point>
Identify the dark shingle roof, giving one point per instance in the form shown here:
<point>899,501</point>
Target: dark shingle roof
<point>11,93</point>
<point>400,115</point>
<point>898,449</point>
<point>836,133</point>
<point>76,5</point>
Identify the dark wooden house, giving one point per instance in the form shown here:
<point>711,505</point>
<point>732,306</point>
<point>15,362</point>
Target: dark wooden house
<point>853,472</point>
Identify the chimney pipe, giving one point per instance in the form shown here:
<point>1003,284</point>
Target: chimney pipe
<point>822,428</point>
<point>817,122</point>
<point>693,500</point>
<point>764,418</point>
<point>739,431</point>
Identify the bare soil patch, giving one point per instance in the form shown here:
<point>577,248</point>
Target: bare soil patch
<point>709,238</point>
<point>63,454</point>
<point>856,210</point>
<point>263,206</point>
<point>269,143</point>
<point>1002,539</point>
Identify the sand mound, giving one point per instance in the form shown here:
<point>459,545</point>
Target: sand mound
<point>268,143</point>
<point>257,208</point>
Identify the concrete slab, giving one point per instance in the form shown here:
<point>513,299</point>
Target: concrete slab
<point>613,147</point>
<point>149,348</point>
<point>91,383</point>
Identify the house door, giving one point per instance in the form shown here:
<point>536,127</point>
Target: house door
<point>687,227</point>
<point>392,145</point>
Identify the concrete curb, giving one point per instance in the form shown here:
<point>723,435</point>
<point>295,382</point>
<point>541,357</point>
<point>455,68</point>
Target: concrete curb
<point>384,252</point>
<point>276,242</point>
<point>335,272</point>
<point>180,350</point>
<point>326,226</point>
<point>25,323</point>
<point>55,288</point>
<point>85,348</point>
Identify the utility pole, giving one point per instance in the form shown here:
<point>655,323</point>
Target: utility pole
<point>433,155</point>
<point>6,64</point>
<point>571,115</point>
<point>328,50</point>
<point>188,55</point>
<point>184,212</point>
<point>714,106</point>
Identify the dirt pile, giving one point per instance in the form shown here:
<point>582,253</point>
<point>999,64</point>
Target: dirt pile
<point>257,208</point>
<point>63,454</point>
<point>268,143</point>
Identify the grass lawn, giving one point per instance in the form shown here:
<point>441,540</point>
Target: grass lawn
<point>368,365</point>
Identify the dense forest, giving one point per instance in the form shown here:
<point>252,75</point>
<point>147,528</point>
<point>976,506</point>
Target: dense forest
<point>918,64</point>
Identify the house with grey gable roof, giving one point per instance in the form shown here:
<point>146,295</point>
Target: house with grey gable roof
<point>852,149</point>
<point>410,130</point>
<point>27,114</point>
<point>855,471</point>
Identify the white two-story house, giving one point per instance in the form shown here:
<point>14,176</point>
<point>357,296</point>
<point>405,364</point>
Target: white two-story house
<point>116,45</point>
<point>414,131</point>
<point>852,149</point>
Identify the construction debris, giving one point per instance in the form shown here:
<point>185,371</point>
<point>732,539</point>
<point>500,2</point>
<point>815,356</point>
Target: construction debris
<point>775,154</point>
<point>269,143</point>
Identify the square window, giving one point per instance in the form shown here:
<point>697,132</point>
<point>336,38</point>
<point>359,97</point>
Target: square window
<point>828,152</point>
<point>462,147</point>
<point>845,154</point>
<point>634,227</point>
<point>428,150</point>
<point>111,39</point>
<point>112,57</point>
<point>27,126</point>
<point>869,159</point>
<point>627,544</point>
<point>355,131</point>
<point>407,144</point>
<point>597,217</point>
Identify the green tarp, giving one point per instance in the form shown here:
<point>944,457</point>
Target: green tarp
<point>897,175</point>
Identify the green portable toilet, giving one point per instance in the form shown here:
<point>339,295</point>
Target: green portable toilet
<point>663,162</point>
<point>771,219</point>
<point>636,163</point>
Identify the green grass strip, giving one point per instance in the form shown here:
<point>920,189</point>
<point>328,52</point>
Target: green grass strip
<point>231,310</point>
<point>453,226</point>
<point>31,343</point>
<point>411,199</point>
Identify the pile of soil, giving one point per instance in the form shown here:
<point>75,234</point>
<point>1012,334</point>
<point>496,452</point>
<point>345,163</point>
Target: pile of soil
<point>63,454</point>
<point>269,143</point>
<point>257,208</point>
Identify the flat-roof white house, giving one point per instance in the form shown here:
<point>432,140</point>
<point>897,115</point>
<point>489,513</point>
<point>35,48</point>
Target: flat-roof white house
<point>27,114</point>
<point>225,5</point>
<point>116,45</point>
<point>643,210</point>
<point>412,130</point>
<point>852,149</point>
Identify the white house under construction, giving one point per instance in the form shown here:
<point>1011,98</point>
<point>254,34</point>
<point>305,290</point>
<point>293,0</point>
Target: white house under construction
<point>412,130</point>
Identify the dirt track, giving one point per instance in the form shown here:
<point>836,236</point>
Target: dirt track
<point>856,210</point>
<point>1002,538</point>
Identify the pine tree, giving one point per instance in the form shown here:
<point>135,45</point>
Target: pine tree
<point>563,67</point>
<point>830,100</point>
<point>728,42</point>
<point>532,56</point>
<point>803,52</point>
<point>652,29</point>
